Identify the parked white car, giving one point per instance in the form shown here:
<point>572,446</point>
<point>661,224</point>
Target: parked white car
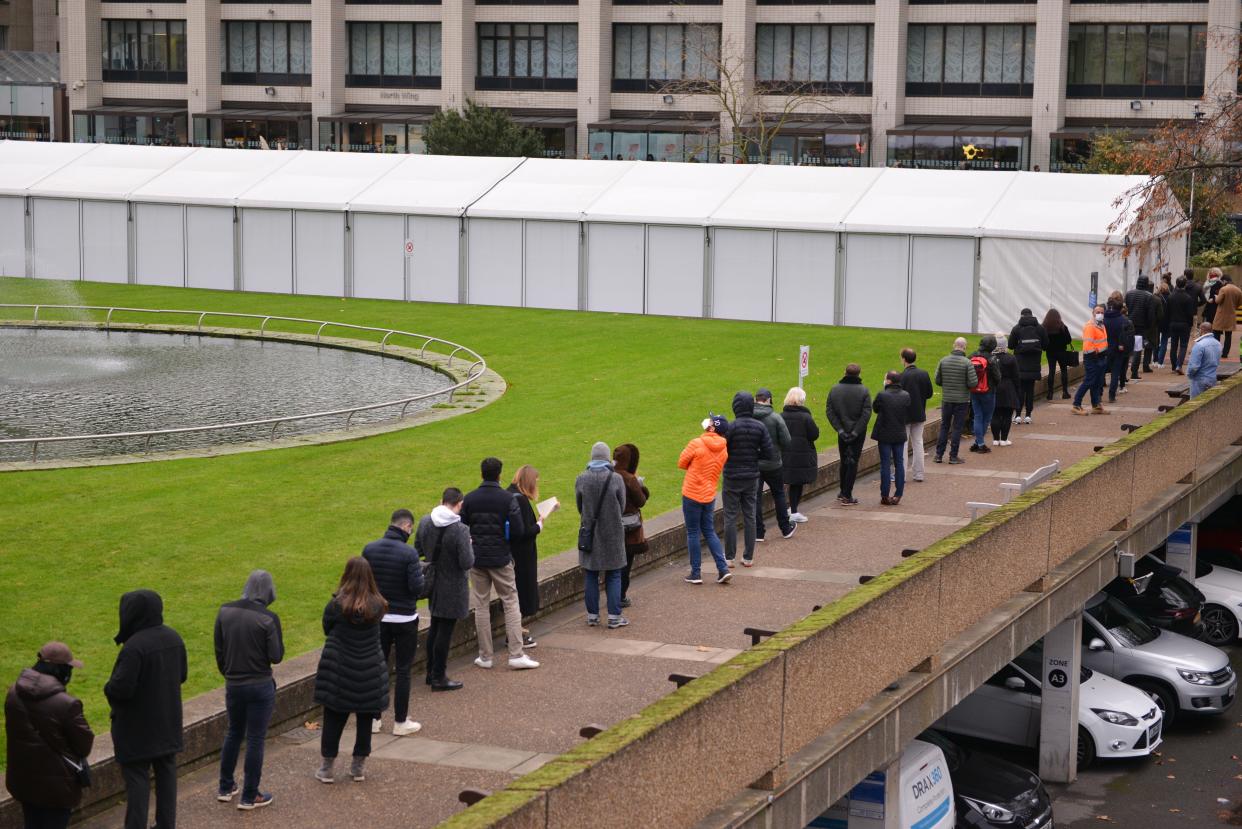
<point>1222,610</point>
<point>1114,719</point>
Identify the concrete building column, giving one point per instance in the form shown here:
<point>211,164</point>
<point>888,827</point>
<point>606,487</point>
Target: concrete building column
<point>594,67</point>
<point>458,54</point>
<point>737,60</point>
<point>202,32</point>
<point>888,84</point>
<point>1051,59</point>
<point>1220,77</point>
<point>329,61</point>
<point>81,67</point>
<point>1058,712</point>
<point>1182,549</point>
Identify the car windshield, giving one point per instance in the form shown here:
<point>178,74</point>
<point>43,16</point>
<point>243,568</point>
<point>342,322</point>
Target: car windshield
<point>1122,622</point>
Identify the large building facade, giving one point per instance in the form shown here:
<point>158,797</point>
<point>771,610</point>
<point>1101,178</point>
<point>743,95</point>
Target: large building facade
<point>1011,85</point>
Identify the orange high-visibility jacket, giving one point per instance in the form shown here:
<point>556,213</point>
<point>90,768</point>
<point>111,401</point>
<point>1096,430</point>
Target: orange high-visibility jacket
<point>1094,338</point>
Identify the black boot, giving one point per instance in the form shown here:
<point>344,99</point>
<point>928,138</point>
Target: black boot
<point>445,684</point>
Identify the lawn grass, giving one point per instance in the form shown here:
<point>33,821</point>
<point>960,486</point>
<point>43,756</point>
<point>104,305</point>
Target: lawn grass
<point>73,540</point>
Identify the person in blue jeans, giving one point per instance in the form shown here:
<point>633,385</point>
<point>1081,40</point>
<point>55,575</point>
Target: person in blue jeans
<point>983,395</point>
<point>703,459</point>
<point>248,643</point>
<point>892,410</point>
<point>600,495</point>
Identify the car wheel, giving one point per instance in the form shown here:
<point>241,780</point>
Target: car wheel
<point>1219,625</point>
<point>1165,700</point>
<point>1086,748</point>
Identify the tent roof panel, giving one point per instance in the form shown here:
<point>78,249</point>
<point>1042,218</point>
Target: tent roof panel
<point>212,176</point>
<point>658,193</point>
<point>109,171</point>
<point>22,163</point>
<point>1063,206</point>
<point>441,185</point>
<point>318,180</point>
<point>550,188</point>
<point>802,198</point>
<point>941,202</point>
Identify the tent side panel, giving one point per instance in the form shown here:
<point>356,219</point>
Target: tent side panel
<point>437,256</point>
<point>209,247</point>
<point>552,265</point>
<point>615,268</point>
<point>267,250</point>
<point>675,271</point>
<point>12,236</point>
<point>379,256</point>
<point>495,262</point>
<point>160,244</point>
<point>876,280</point>
<point>742,274</point>
<point>105,241</point>
<point>942,284</point>
<point>806,272</point>
<point>1072,264</point>
<point>319,237</point>
<point>1015,274</point>
<point>57,239</point>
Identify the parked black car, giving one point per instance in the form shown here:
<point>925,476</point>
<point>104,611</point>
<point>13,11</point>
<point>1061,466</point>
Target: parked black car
<point>1161,596</point>
<point>990,791</point>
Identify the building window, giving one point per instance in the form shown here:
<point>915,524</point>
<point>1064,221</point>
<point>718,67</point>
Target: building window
<point>825,2</point>
<point>394,55</point>
<point>813,57</point>
<point>144,50</point>
<point>4,37</point>
<point>647,57</point>
<point>971,60</point>
<point>1136,60</point>
<point>528,56</point>
<point>265,52</point>
<point>167,130</point>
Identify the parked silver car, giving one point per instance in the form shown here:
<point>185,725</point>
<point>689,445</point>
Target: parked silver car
<point>1180,674</point>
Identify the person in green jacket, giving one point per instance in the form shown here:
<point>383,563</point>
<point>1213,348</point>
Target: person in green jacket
<point>771,470</point>
<point>956,377</point>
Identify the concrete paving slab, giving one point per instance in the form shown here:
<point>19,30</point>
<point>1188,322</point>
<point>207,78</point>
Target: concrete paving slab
<point>488,758</point>
<point>626,647</point>
<point>419,750</point>
<point>536,762</point>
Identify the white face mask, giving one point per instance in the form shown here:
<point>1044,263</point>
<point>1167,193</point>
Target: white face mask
<point>1099,317</point>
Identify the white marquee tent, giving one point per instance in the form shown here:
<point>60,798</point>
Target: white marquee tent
<point>894,248</point>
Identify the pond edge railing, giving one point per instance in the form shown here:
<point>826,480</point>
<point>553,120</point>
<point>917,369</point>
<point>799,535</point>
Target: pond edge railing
<point>474,371</point>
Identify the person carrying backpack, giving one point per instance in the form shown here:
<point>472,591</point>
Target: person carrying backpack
<point>983,395</point>
<point>1029,341</point>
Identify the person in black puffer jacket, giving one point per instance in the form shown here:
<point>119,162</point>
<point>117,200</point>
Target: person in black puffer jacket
<point>1145,311</point>
<point>801,459</point>
<point>399,576</point>
<point>44,725</point>
<point>749,442</point>
<point>145,694</point>
<point>352,677</point>
<point>892,408</point>
<point>1182,307</point>
<point>1029,341</point>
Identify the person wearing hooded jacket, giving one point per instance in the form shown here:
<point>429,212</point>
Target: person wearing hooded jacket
<point>1181,309</point>
<point>600,496</point>
<point>749,442</point>
<point>892,409</point>
<point>444,541</point>
<point>771,471</point>
<point>144,692</point>
<point>248,643</point>
<point>1029,341</point>
<point>703,458</point>
<point>849,410</point>
<point>625,460</point>
<point>1119,348</point>
<point>44,725</point>
<point>1147,313</point>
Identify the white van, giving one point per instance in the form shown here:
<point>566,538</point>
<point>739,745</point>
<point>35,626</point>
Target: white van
<point>924,801</point>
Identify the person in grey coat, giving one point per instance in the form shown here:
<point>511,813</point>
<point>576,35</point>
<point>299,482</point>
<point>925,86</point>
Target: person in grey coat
<point>600,495</point>
<point>444,542</point>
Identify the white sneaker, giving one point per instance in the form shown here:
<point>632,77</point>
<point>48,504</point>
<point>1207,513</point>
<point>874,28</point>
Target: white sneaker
<point>375,726</point>
<point>408,727</point>
<point>1006,443</point>
<point>1017,419</point>
<point>523,662</point>
<point>480,662</point>
<point>797,518</point>
<point>1026,419</point>
<point>998,443</point>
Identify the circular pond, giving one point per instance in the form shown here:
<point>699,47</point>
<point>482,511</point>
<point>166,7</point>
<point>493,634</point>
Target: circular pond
<point>56,382</point>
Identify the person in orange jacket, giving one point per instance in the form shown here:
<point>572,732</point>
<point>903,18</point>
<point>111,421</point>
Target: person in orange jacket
<point>1095,356</point>
<point>703,459</point>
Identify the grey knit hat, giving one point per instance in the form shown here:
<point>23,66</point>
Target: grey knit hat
<point>601,452</point>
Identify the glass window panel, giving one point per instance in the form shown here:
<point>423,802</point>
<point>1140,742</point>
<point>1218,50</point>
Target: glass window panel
<point>537,57</point>
<point>801,53</point>
<point>933,54</point>
<point>638,52</point>
<point>1178,54</point>
<point>423,51</point>
<point>281,51</point>
<point>763,53</point>
<point>504,59</point>
<point>159,44</point>
<point>297,49</point>
<point>666,146</point>
<point>250,47</point>
<point>916,38</point>
<point>1096,54</point>
<point>521,58</point>
<point>621,52</point>
<point>1115,55</point>
<point>631,146</point>
<point>1011,61</point>
<point>390,50</point>
<point>521,30</point>
<point>1028,60</point>
<point>435,47</point>
<point>952,54</point>
<point>711,49</point>
<point>357,49</point>
<point>266,44</point>
<point>658,35</point>
<point>487,57</point>
<point>1136,53</point>
<point>234,36</point>
<point>569,52</point>
<point>856,69</point>
<point>993,51</point>
<point>972,54</point>
<point>782,48</point>
<point>1198,45</point>
<point>405,49</point>
<point>536,30</point>
<point>1158,55</point>
<point>674,52</point>
<point>819,54</point>
<point>839,53</point>
<point>695,50</point>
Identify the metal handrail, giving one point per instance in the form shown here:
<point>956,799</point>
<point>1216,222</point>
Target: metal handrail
<point>477,368</point>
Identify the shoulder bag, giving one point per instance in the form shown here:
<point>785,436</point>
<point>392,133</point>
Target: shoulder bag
<point>586,535</point>
<point>429,569</point>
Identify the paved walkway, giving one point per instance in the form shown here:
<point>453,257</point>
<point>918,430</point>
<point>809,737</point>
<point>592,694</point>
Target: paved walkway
<point>505,723</point>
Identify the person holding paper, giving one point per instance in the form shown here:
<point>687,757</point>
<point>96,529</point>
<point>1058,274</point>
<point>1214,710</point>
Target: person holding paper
<point>525,489</point>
